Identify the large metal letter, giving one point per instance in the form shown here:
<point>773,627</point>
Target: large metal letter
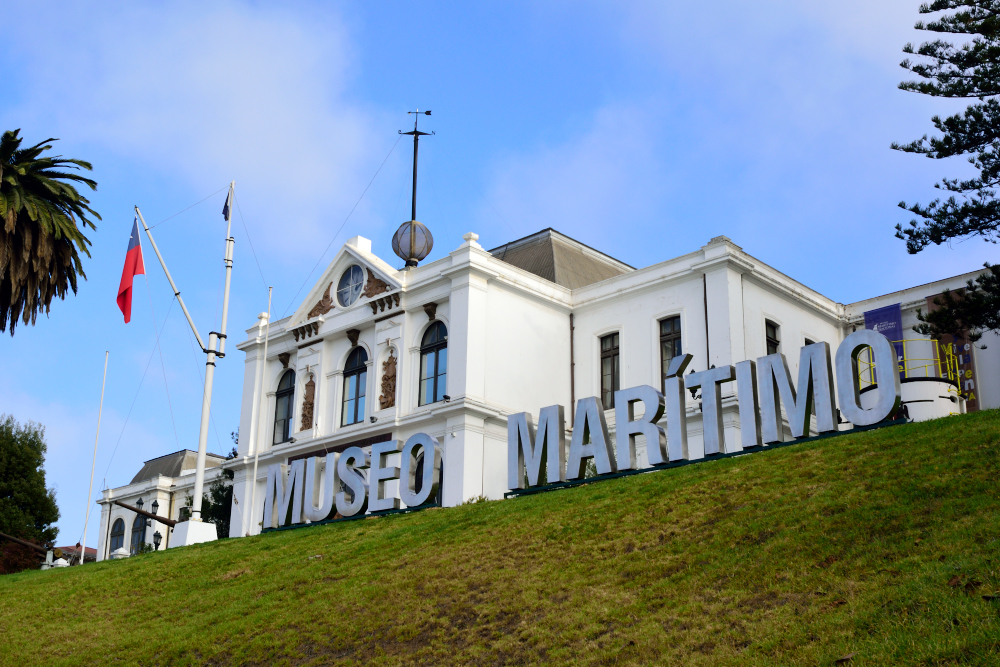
<point>627,426</point>
<point>816,372</point>
<point>351,459</point>
<point>380,474</point>
<point>318,498</point>
<point>536,450</point>
<point>283,493</point>
<point>746,390</point>
<point>590,440</point>
<point>711,382</point>
<point>815,390</point>
<point>673,394</point>
<point>848,381</point>
<point>431,478</point>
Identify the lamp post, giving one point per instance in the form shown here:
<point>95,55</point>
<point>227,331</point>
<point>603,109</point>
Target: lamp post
<point>156,540</point>
<point>145,523</point>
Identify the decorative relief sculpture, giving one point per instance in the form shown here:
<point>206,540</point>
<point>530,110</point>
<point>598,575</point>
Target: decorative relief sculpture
<point>324,305</point>
<point>283,358</point>
<point>431,310</point>
<point>307,404</point>
<point>374,286</point>
<point>352,335</point>
<point>388,397</point>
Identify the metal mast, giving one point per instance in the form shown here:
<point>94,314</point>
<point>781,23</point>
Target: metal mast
<point>214,337</point>
<point>416,145</point>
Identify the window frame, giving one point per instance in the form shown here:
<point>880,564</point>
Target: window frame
<point>116,534</point>
<point>438,375</point>
<point>341,288</point>
<point>769,340</point>
<point>674,336</point>
<point>613,353</point>
<point>133,547</point>
<point>279,395</point>
<point>354,374</point>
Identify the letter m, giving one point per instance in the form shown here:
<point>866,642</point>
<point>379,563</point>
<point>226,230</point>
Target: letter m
<point>284,494</point>
<point>530,452</point>
<point>815,392</point>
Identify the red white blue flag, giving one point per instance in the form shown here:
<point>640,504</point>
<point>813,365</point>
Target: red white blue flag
<point>133,267</point>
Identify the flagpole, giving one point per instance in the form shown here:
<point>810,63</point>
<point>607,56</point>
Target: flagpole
<point>255,437</point>
<point>90,489</point>
<point>213,336</point>
<point>212,354</point>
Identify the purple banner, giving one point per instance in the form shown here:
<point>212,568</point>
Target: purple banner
<point>888,321</point>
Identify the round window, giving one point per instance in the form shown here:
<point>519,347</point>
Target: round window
<point>350,285</point>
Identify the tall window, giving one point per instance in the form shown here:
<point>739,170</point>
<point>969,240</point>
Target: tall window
<point>117,535</point>
<point>138,533</point>
<point>609,370</point>
<point>773,334</point>
<point>670,343</point>
<point>355,379</point>
<point>283,405</point>
<point>433,364</point>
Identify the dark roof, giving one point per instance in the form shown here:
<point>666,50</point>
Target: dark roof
<point>171,465</point>
<point>560,259</point>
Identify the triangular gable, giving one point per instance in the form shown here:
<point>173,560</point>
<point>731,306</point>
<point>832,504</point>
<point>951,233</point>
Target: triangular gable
<point>322,298</point>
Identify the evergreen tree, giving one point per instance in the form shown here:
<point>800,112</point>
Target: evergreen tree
<point>27,508</point>
<point>969,71</point>
<point>217,504</point>
<point>969,313</point>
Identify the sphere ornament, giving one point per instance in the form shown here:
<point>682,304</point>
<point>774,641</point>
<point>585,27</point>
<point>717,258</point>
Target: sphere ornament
<point>412,242</point>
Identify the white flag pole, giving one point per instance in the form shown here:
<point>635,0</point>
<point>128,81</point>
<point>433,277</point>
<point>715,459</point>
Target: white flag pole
<point>255,440</point>
<point>90,489</point>
<point>213,336</point>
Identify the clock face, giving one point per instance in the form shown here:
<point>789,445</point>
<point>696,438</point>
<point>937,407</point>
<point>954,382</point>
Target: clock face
<point>351,283</point>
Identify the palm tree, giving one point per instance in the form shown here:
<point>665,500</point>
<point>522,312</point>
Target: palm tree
<point>39,238</point>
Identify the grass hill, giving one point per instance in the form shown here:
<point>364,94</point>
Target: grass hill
<point>884,545</point>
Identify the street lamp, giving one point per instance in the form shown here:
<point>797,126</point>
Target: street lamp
<point>155,507</point>
<point>156,540</point>
<point>145,522</point>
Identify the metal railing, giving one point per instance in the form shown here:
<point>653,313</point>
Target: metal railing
<point>942,361</point>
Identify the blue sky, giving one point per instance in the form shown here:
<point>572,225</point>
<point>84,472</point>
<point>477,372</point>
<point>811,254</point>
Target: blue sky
<point>640,128</point>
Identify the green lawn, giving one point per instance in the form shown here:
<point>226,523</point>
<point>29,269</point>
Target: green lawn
<point>882,544</point>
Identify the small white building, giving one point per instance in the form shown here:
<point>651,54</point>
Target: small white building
<point>453,347</point>
<point>166,482</point>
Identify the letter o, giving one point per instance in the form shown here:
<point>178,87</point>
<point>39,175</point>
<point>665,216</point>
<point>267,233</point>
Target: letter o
<point>848,389</point>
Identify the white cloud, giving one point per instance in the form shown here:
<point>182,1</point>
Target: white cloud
<point>206,93</point>
<point>609,173</point>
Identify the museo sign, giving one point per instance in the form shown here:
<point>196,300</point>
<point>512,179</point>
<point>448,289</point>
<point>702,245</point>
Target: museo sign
<point>302,492</point>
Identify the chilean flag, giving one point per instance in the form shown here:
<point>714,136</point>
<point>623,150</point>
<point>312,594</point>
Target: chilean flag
<point>133,267</point>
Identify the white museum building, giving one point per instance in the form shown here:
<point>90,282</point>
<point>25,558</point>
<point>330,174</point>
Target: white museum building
<point>452,347</point>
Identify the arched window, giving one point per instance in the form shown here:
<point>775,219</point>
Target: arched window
<point>355,380</point>
<point>138,533</point>
<point>433,364</point>
<point>117,535</point>
<point>283,404</point>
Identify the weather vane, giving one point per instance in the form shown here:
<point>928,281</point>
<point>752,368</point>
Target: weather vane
<point>412,242</point>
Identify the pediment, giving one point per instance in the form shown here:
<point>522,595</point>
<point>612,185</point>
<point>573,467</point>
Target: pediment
<point>321,301</point>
